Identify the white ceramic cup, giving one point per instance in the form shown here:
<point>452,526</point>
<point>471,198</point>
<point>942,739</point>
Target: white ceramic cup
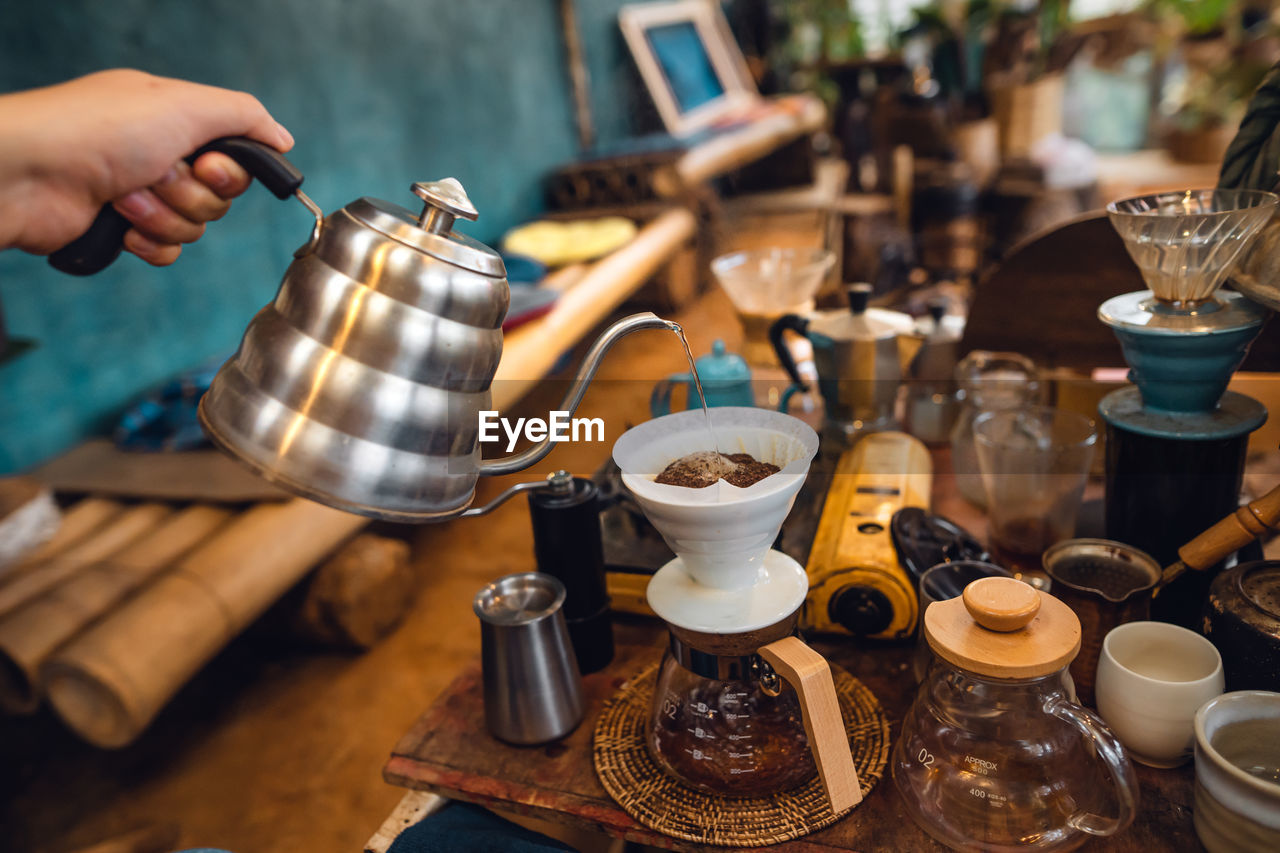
<point>1237,805</point>
<point>1152,678</point>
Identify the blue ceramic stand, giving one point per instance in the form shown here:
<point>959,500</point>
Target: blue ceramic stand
<point>1176,442</point>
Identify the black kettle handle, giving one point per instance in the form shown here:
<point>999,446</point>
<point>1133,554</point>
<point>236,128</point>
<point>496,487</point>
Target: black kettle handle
<point>799,325</point>
<point>96,249</point>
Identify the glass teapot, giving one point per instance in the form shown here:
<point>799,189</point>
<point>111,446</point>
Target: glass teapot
<point>749,715</point>
<point>993,755</point>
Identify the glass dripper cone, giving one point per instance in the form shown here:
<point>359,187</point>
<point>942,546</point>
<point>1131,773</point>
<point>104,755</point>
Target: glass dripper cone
<point>764,284</point>
<point>1185,243</point>
<point>767,281</point>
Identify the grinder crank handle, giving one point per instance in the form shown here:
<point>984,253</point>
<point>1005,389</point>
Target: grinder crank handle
<point>96,249</point>
<point>1230,534</point>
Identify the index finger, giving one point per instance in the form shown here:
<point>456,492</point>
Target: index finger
<point>210,112</point>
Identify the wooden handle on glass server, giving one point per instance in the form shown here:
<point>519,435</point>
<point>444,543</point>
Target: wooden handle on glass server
<point>1233,532</point>
<point>808,672</point>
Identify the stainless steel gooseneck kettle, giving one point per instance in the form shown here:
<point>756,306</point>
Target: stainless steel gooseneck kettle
<point>360,385</point>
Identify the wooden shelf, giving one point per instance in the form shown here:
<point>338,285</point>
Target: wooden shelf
<point>780,123</point>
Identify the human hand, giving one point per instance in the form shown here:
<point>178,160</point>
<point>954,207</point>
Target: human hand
<point>120,136</point>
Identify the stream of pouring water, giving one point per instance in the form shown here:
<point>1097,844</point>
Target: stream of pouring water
<point>697,380</point>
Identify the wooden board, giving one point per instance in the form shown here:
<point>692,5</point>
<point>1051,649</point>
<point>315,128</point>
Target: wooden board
<point>99,467</point>
<point>449,752</point>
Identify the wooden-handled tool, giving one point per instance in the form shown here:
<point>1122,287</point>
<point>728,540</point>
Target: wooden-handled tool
<point>1235,531</point>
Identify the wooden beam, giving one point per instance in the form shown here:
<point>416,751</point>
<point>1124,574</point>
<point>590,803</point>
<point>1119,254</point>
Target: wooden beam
<point>530,351</point>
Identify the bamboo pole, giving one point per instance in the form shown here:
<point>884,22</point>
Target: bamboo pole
<point>104,541</point>
<point>77,522</point>
<point>32,632</point>
<point>28,518</point>
<point>111,681</point>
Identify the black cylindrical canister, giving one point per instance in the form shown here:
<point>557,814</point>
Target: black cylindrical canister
<point>567,544</point>
<point>1242,618</point>
<point>1161,493</point>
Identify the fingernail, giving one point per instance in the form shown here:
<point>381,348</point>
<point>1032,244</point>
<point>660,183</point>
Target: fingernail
<point>137,203</point>
<point>284,132</point>
<point>170,176</point>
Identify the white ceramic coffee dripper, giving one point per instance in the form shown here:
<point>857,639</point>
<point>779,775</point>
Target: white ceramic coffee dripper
<point>731,603</point>
<point>726,577</point>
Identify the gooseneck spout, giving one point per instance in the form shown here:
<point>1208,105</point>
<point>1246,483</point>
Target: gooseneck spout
<point>590,363</point>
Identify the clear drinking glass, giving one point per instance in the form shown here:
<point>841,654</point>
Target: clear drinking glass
<point>1034,464</point>
<point>988,382</point>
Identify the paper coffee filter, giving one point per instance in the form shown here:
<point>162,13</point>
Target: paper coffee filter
<point>642,452</point>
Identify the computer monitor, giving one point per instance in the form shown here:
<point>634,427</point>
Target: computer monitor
<point>689,62</point>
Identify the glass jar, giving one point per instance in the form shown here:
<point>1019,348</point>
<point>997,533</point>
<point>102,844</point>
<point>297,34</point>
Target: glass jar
<point>727,725</point>
<point>989,381</point>
<point>993,753</point>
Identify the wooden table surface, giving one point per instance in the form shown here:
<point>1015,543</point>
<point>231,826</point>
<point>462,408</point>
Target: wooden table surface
<point>449,751</point>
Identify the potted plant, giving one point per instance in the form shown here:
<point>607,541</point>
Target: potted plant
<point>1022,74</point>
<point>1216,54</point>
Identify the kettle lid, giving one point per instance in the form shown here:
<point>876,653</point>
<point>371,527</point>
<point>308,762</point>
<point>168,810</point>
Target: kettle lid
<point>722,366</point>
<point>861,323</point>
<point>1003,628</point>
<point>431,231</point>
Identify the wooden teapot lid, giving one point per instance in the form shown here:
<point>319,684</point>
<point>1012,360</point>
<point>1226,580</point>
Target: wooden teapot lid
<point>1003,628</point>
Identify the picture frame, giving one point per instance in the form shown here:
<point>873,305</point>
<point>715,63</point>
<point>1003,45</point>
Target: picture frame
<point>689,62</point>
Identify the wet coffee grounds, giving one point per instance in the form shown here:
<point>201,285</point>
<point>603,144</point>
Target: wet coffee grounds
<point>699,470</point>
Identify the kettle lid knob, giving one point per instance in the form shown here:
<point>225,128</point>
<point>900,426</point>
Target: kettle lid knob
<point>445,200</point>
<point>1003,628</point>
<point>1001,604</point>
<point>859,295</point>
<point>937,309</point>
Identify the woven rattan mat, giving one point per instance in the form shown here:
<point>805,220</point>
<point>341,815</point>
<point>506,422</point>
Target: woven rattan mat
<point>661,803</point>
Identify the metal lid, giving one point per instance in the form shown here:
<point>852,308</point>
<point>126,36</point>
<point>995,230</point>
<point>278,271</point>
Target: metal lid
<point>431,231</point>
<point>867,324</point>
<point>1260,586</point>
<point>519,599</point>
<point>721,366</point>
<point>1141,312</point>
<point>1003,628</point>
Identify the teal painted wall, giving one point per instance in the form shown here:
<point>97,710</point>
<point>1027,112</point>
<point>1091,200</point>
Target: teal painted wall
<point>377,93</point>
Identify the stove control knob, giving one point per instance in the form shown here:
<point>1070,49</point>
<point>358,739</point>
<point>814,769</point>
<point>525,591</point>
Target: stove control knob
<point>862,610</point>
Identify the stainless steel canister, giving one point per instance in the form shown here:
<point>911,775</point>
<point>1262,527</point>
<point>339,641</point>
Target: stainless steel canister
<point>532,687</point>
